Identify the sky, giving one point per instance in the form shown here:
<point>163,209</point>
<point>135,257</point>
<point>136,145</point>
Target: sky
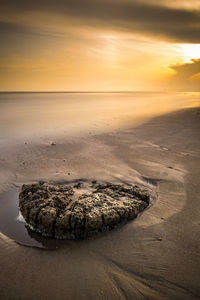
<point>99,45</point>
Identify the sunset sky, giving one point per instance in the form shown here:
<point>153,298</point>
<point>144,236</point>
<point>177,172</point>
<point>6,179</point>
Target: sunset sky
<point>99,45</point>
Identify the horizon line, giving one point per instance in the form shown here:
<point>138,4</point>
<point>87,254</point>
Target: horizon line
<point>78,92</point>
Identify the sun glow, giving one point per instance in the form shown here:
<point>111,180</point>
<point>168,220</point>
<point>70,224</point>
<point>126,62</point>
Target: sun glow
<point>191,51</point>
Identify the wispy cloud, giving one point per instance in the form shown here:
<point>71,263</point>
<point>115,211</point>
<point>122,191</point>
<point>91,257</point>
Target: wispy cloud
<point>172,23</point>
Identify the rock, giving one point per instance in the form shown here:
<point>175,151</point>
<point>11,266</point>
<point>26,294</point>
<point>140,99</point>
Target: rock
<point>41,182</point>
<point>78,185</point>
<point>59,211</point>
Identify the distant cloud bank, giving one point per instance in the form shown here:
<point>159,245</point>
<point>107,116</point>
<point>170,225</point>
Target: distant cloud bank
<point>187,76</point>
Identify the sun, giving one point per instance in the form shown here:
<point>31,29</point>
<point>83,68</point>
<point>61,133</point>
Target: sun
<point>190,51</point>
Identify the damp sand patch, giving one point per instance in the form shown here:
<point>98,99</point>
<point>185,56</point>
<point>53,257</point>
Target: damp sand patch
<point>78,211</point>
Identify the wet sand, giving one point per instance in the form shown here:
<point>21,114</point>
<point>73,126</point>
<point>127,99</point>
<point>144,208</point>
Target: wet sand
<point>155,256</point>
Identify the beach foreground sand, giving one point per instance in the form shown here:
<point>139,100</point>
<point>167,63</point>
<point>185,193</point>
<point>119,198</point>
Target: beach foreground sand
<point>155,256</point>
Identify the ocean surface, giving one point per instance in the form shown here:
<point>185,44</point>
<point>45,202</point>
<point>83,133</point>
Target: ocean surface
<point>44,115</point>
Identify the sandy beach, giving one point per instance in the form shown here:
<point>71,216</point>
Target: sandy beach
<point>155,256</point>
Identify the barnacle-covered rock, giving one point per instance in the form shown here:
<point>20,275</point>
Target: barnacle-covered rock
<point>66,212</point>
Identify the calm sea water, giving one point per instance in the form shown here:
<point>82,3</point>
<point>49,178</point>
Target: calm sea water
<point>36,115</point>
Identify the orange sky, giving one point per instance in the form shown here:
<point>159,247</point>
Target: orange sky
<point>99,45</point>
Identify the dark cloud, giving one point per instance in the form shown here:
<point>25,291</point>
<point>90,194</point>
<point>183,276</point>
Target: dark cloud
<point>179,25</point>
<point>187,76</point>
<point>187,69</point>
<point>9,30</point>
<point>18,40</point>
